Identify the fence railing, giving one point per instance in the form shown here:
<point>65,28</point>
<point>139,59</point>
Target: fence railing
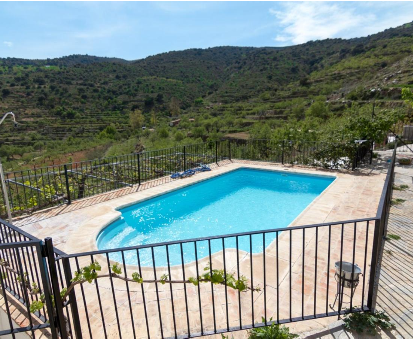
<point>291,280</point>
<point>195,287</point>
<point>24,277</point>
<point>39,188</point>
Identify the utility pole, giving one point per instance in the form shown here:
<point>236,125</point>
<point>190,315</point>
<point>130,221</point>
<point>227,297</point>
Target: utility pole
<point>2,178</point>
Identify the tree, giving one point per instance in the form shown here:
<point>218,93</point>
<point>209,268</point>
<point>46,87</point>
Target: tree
<point>163,133</point>
<point>149,101</point>
<point>175,107</point>
<point>199,101</point>
<point>318,110</point>
<point>208,125</point>
<point>153,117</point>
<point>407,96</point>
<point>304,81</point>
<point>5,92</point>
<point>179,136</point>
<point>109,132</point>
<point>298,111</point>
<point>198,132</point>
<point>136,119</point>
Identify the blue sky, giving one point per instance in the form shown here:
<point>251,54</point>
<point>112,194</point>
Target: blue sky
<point>134,30</point>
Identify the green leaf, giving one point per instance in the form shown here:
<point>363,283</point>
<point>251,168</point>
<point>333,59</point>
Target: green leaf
<point>194,281</point>
<point>117,269</point>
<point>137,278</point>
<point>35,306</point>
<point>164,278</point>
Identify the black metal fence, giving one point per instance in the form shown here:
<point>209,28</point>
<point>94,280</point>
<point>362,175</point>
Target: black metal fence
<point>194,287</point>
<point>24,278</point>
<point>292,280</point>
<point>39,188</point>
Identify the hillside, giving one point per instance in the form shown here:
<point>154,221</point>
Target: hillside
<point>64,104</point>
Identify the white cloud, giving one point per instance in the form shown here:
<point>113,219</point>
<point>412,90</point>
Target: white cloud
<point>306,21</point>
<point>8,43</point>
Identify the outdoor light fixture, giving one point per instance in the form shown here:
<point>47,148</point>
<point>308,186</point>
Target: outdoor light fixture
<point>3,181</point>
<point>347,276</point>
<point>14,118</point>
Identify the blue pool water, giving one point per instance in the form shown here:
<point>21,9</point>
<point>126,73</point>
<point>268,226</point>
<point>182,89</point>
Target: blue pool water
<point>243,200</point>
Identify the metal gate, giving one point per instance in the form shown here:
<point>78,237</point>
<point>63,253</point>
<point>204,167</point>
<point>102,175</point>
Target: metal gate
<point>27,302</point>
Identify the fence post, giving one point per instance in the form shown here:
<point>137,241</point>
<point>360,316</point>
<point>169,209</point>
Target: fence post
<point>282,155</point>
<point>184,158</point>
<point>354,165</point>
<point>61,323</point>
<point>229,149</point>
<point>69,201</point>
<point>371,152</point>
<point>216,152</point>
<point>5,194</point>
<point>375,264</point>
<point>72,299</point>
<point>139,169</point>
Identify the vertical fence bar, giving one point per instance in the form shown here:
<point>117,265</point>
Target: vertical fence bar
<point>46,289</point>
<point>72,299</point>
<point>252,284</point>
<point>374,270</point>
<point>143,295</point>
<point>185,293</point>
<point>6,303</point>
<point>365,264</point>
<point>282,152</point>
<point>216,152</point>
<point>225,280</point>
<point>55,287</point>
<point>328,266</point>
<point>139,169</point>
<point>69,201</point>
<point>199,288</point>
<point>184,158</point>
<point>24,289</point>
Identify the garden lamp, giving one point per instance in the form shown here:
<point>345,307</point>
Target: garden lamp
<point>3,181</point>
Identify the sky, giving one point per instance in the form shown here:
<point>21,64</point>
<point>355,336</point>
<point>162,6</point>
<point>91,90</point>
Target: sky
<point>135,30</point>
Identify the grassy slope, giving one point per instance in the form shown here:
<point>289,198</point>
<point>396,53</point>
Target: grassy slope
<point>64,103</point>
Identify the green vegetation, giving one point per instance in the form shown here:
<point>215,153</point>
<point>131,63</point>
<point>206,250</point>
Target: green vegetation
<point>397,201</point>
<point>405,161</point>
<point>80,107</point>
<point>272,331</point>
<point>400,187</point>
<point>393,237</point>
<point>91,273</point>
<point>367,322</point>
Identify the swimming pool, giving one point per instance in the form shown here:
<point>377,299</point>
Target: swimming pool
<point>242,200</point>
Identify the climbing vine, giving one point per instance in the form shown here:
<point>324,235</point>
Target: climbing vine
<point>91,272</point>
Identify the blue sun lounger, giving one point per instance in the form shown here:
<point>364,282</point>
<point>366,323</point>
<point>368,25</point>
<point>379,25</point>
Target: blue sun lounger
<point>184,174</point>
<point>203,168</point>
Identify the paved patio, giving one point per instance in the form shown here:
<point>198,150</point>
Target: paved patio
<point>350,196</point>
<point>395,294</point>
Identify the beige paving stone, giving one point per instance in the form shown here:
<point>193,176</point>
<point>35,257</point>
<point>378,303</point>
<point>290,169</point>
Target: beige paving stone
<point>74,230</point>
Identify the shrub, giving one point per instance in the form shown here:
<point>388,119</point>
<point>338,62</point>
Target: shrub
<point>367,321</point>
<point>390,145</point>
<point>405,161</point>
<point>271,331</point>
<point>179,136</point>
<point>163,133</point>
